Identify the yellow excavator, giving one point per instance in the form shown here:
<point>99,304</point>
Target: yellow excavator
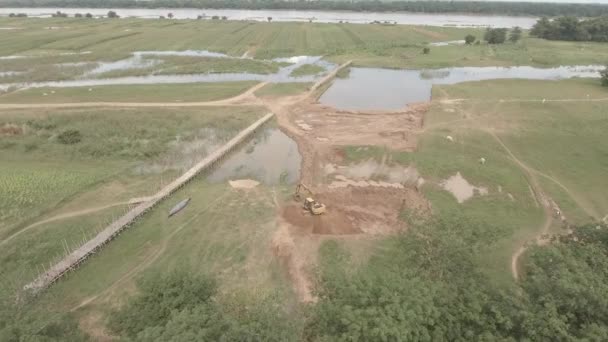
<point>310,204</point>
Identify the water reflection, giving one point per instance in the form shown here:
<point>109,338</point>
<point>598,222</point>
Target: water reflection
<point>371,88</point>
<point>270,157</point>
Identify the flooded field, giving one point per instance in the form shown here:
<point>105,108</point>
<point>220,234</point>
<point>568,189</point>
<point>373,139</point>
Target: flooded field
<point>271,157</point>
<point>458,20</point>
<point>147,60</point>
<point>384,89</point>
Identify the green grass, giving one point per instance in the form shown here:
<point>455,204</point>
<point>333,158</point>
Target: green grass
<point>397,46</point>
<point>39,173</point>
<point>282,89</point>
<point>29,188</point>
<point>563,140</point>
<point>48,72</point>
<point>197,92</point>
<point>204,238</point>
<point>177,65</point>
<point>307,69</point>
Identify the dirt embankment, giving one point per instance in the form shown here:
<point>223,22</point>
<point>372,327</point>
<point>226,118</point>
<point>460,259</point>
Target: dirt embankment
<point>352,211</point>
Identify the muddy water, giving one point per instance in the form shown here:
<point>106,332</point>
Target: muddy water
<point>270,157</point>
<point>372,88</point>
<point>458,20</point>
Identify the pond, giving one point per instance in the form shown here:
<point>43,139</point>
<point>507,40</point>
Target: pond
<point>271,157</point>
<point>385,89</point>
<point>458,20</point>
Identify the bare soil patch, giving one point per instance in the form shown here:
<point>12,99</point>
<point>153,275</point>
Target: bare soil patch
<point>244,184</point>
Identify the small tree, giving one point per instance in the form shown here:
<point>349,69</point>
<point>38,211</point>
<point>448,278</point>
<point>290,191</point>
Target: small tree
<point>469,39</point>
<point>112,14</point>
<point>515,34</point>
<point>426,50</point>
<point>215,17</point>
<point>224,18</point>
<point>269,19</point>
<point>88,15</point>
<point>170,15</point>
<point>495,35</point>
<point>78,15</point>
<point>199,17</point>
<point>604,76</point>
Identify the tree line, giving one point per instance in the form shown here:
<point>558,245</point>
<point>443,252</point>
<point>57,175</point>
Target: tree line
<point>426,285</point>
<point>479,7</point>
<point>571,28</point>
<point>429,287</point>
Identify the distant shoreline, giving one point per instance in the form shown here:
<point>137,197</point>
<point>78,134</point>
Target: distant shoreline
<point>530,9</point>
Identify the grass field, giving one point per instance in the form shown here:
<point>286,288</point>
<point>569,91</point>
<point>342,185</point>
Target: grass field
<point>129,144</point>
<point>198,92</point>
<point>67,172</point>
<point>282,89</point>
<point>562,141</point>
<point>204,238</point>
<point>368,45</point>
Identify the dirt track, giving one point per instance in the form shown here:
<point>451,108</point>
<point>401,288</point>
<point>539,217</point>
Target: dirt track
<point>246,98</point>
<point>540,195</point>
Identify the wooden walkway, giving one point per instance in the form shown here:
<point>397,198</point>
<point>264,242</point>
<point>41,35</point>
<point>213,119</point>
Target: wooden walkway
<point>72,260</point>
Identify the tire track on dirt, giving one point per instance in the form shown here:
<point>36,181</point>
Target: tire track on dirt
<point>540,195</point>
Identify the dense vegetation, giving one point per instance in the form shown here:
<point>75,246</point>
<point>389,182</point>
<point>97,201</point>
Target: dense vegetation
<point>572,29</point>
<point>504,8</point>
<point>180,306</point>
<point>427,287</point>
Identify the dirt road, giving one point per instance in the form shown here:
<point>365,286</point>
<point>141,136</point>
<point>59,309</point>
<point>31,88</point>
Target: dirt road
<point>539,194</point>
<point>245,98</point>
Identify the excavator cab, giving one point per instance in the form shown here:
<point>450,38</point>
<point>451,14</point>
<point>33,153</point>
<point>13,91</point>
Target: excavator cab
<point>313,206</point>
<point>310,204</point>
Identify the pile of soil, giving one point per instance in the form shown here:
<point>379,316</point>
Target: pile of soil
<point>355,211</point>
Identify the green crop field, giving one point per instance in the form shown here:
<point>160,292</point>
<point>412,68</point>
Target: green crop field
<point>78,41</point>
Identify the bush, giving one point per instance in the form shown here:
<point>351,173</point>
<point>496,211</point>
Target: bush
<point>112,14</point>
<point>515,34</point>
<point>604,76</point>
<point>88,15</point>
<point>69,137</point>
<point>180,306</point>
<point>495,35</point>
<point>469,39</point>
<point>426,50</point>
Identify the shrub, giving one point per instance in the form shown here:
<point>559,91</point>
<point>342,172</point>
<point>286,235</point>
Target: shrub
<point>426,50</point>
<point>604,76</point>
<point>69,137</point>
<point>495,35</point>
<point>469,39</point>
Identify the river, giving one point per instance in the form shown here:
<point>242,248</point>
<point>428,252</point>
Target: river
<point>457,20</point>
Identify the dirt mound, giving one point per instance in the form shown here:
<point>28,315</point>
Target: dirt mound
<point>334,222</point>
<point>354,210</point>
